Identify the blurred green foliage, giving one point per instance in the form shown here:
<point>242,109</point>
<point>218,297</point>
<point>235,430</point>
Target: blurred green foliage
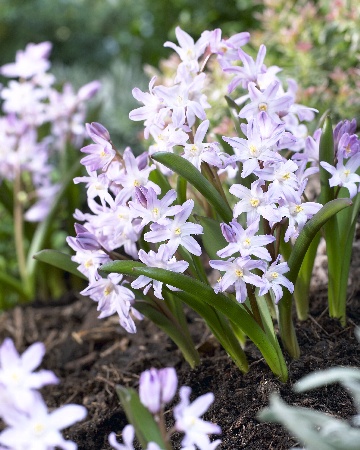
<point>111,40</point>
<point>318,44</point>
<point>93,32</point>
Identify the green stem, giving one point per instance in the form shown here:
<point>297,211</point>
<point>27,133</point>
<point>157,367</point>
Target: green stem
<point>19,229</point>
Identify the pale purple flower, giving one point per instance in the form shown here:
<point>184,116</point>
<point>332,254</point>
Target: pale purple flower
<point>157,387</point>
<point>255,202</point>
<point>17,372</point>
<point>245,241</point>
<point>89,260</point>
<point>113,297</point>
<point>166,139</point>
<point>237,275</point>
<point>36,429</point>
<point>97,186</point>
<point>153,112</point>
<point>284,181</point>
<point>133,176</point>
<point>188,419</point>
<point>184,107</point>
<point>344,175</point>
<point>227,49</point>
<point>262,136</point>
<point>189,51</point>
<point>128,435</point>
<point>163,259</point>
<point>269,101</point>
<point>249,71</point>
<point>348,146</point>
<point>29,62</point>
<point>177,231</point>
<point>273,279</point>
<point>100,154</point>
<point>343,127</point>
<point>97,130</point>
<point>298,214</point>
<point>152,209</point>
<point>197,152</point>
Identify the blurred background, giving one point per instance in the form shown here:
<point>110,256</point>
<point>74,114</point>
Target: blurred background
<point>316,42</point>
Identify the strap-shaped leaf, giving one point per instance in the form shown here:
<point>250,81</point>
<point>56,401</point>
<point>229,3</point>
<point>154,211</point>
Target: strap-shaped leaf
<point>60,260</point>
<point>185,169</point>
<point>298,253</point>
<point>146,428</point>
<point>212,237</point>
<point>228,307</point>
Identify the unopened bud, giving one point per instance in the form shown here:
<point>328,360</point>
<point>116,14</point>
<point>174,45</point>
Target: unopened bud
<point>228,232</point>
<point>141,195</point>
<point>96,129</point>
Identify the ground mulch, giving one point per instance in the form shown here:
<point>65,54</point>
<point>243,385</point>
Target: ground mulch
<point>92,356</point>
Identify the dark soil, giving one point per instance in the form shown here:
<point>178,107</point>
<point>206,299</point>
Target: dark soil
<point>91,357</point>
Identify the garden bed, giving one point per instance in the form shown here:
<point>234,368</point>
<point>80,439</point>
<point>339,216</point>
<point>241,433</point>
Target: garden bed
<point>91,356</point>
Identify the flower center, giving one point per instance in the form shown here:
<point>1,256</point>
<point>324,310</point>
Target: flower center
<point>38,428</point>
<point>286,176</point>
<point>253,149</point>
<point>274,275</point>
<point>247,242</point>
<point>136,183</point>
<point>108,290</point>
<point>177,231</point>
<point>193,149</point>
<point>254,202</point>
<point>347,172</point>
<point>88,263</point>
<point>263,106</point>
<point>239,273</point>
<point>155,212</point>
<point>298,208</point>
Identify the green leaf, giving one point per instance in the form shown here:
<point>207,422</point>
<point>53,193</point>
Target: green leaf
<point>159,178</point>
<point>295,260</point>
<point>164,319</point>
<point>185,169</point>
<point>9,282</point>
<point>44,228</point>
<point>60,260</point>
<point>139,416</point>
<point>204,293</point>
<point>326,154</point>
<point>212,237</point>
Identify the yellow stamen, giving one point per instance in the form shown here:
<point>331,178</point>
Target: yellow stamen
<point>274,275</point>
<point>239,273</point>
<point>263,107</point>
<point>299,208</point>
<point>254,202</point>
<point>177,231</point>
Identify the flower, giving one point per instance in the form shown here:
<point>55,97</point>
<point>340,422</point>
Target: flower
<point>162,259</point>
<point>36,429</point>
<point>238,274</point>
<point>273,278</point>
<point>187,419</point>
<point>157,387</point>
<point>17,372</point>
<point>177,231</point>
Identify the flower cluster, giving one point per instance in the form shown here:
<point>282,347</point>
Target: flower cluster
<point>266,167</point>
<point>157,388</point>
<point>29,424</point>
<point>38,122</point>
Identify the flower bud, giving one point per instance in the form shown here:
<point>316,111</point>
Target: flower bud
<point>150,390</point>
<point>168,381</point>
<point>141,195</point>
<point>95,128</point>
<point>85,239</point>
<point>228,232</point>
